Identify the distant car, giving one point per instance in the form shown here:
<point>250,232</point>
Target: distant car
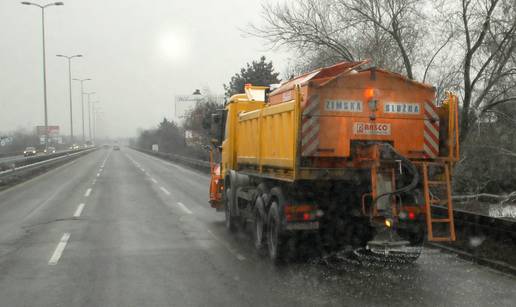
<point>74,147</point>
<point>105,146</point>
<point>29,151</point>
<point>116,147</point>
<point>50,150</point>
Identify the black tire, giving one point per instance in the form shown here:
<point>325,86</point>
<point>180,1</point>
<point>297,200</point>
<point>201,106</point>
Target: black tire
<point>259,230</point>
<point>230,219</point>
<point>276,241</point>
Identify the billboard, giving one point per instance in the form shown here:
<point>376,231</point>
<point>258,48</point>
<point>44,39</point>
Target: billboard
<point>52,130</point>
<point>185,103</point>
<point>53,134</point>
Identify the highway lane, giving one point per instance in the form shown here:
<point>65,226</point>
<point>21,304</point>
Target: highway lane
<point>144,235</point>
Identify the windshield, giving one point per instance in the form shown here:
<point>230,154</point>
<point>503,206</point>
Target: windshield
<point>258,153</point>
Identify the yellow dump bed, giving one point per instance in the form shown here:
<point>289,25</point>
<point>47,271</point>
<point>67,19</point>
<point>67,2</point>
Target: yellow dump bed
<point>267,137</point>
<point>309,124</point>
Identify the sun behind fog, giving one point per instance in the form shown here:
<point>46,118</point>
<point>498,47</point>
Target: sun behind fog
<point>173,45</point>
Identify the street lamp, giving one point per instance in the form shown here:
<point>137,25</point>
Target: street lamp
<point>198,94</point>
<point>43,7</point>
<point>98,116</point>
<point>69,58</point>
<point>82,105</point>
<point>89,113</point>
<point>95,112</point>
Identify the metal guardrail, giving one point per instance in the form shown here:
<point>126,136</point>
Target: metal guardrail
<point>20,160</point>
<point>61,157</point>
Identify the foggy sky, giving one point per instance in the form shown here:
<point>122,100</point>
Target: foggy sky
<point>139,53</point>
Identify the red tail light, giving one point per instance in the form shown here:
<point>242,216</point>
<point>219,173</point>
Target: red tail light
<point>300,213</point>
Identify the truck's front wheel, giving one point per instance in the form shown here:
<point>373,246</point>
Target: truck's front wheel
<point>275,241</point>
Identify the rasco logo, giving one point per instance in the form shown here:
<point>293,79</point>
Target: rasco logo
<point>343,106</point>
<point>401,108</point>
<point>372,128</point>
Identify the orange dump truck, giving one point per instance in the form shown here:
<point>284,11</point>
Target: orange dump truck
<point>352,157</point>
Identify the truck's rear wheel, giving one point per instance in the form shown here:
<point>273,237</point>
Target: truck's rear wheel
<point>276,242</point>
<point>258,230</point>
<point>230,219</point>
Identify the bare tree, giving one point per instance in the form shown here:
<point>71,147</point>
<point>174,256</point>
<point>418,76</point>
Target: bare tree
<point>336,31</point>
<point>399,19</point>
<point>306,25</point>
<point>488,37</point>
<point>309,61</point>
<point>473,42</point>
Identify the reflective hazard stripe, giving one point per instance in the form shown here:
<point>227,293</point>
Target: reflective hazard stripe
<point>310,127</point>
<point>431,131</point>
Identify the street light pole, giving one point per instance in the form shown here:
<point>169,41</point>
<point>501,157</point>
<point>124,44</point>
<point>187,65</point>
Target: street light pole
<point>94,110</point>
<point>94,125</point>
<point>97,113</point>
<point>42,7</point>
<point>82,106</point>
<point>89,113</point>
<point>69,58</point>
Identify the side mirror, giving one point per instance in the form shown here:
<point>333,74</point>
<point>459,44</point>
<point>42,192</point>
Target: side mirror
<point>215,118</point>
<point>216,129</point>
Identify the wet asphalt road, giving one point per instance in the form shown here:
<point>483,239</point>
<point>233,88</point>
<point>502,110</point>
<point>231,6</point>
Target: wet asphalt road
<point>120,228</point>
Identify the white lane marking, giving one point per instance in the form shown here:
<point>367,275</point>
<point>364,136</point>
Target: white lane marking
<point>105,159</point>
<point>88,192</point>
<point>59,249</point>
<point>154,180</point>
<point>228,247</point>
<point>138,165</point>
<point>185,209</point>
<point>78,211</point>
<point>203,176</point>
<point>164,190</point>
<point>98,174</point>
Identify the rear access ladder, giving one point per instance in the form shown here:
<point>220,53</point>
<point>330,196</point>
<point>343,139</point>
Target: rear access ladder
<point>438,184</point>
